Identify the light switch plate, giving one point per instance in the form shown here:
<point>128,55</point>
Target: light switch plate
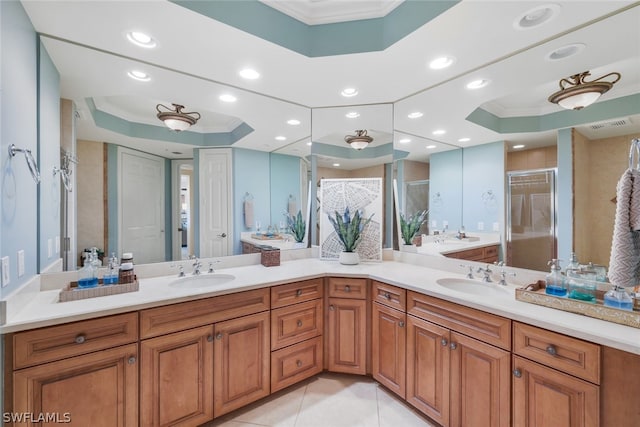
<point>480,226</point>
<point>434,224</point>
<point>21,263</point>
<point>496,226</point>
<point>6,277</point>
<point>57,244</point>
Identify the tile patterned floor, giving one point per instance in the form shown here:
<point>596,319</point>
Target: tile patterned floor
<point>329,400</point>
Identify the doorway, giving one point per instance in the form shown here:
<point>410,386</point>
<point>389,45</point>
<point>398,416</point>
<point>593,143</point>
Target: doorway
<point>182,208</point>
<point>531,218</point>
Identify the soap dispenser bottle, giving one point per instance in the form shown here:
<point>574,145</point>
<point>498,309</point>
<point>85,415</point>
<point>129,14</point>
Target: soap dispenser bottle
<point>617,297</point>
<point>111,277</point>
<point>574,264</point>
<point>87,274</point>
<point>555,281</point>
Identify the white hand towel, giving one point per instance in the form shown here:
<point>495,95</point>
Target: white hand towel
<point>248,214</point>
<point>624,264</point>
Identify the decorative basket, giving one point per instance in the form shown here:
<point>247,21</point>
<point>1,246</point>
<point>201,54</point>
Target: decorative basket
<point>270,256</point>
<point>72,293</point>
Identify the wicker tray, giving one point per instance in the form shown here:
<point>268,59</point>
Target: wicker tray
<point>72,293</point>
<point>535,294</point>
<point>265,237</point>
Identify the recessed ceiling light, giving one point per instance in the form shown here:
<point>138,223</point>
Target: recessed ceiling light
<point>431,147</point>
<point>464,140</point>
<point>139,75</point>
<point>439,132</point>
<point>415,115</point>
<point>536,16</point>
<point>404,141</point>
<point>565,51</point>
<point>336,164</point>
<point>249,73</point>
<point>309,143</point>
<point>141,39</point>
<point>477,84</point>
<point>293,122</point>
<point>518,146</point>
<point>349,92</point>
<point>352,115</point>
<point>281,138</point>
<point>227,98</point>
<point>442,62</point>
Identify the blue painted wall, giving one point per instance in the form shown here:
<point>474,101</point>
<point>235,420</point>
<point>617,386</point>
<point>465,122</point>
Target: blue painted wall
<point>483,183</point>
<point>285,181</point>
<point>445,189</point>
<point>565,193</point>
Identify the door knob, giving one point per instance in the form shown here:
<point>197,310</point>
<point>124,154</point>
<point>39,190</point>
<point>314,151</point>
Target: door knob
<point>222,235</point>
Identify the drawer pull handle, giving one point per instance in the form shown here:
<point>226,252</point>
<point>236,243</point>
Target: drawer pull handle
<point>387,295</point>
<point>210,338</point>
<point>453,346</point>
<point>401,324</point>
<point>551,349</point>
<point>517,373</point>
<point>347,288</point>
<point>299,292</point>
<point>444,342</point>
<point>299,363</point>
<point>331,307</point>
<point>219,336</point>
<point>299,323</point>
<point>131,360</point>
<point>80,339</point>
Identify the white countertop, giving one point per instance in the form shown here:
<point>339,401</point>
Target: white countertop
<point>411,271</point>
<point>431,245</point>
<point>283,242</point>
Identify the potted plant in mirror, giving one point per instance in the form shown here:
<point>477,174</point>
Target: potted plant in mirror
<point>297,227</point>
<point>349,231</point>
<point>409,228</point>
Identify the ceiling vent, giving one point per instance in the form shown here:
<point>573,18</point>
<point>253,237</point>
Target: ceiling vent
<point>610,124</point>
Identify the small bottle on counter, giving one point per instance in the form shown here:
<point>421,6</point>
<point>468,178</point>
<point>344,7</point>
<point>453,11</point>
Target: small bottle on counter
<point>618,298</point>
<point>555,282</point>
<point>126,273</point>
<point>127,257</point>
<point>87,275</point>
<point>111,276</point>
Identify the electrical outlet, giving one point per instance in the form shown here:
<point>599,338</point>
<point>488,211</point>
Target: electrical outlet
<point>21,263</point>
<point>496,226</point>
<point>480,226</point>
<point>6,277</point>
<point>49,248</point>
<point>57,244</point>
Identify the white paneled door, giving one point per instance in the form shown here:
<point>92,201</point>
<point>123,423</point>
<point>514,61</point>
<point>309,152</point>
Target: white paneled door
<point>141,205</point>
<point>214,197</point>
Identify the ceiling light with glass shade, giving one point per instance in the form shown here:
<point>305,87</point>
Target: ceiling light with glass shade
<point>576,93</point>
<point>176,119</point>
<point>360,140</point>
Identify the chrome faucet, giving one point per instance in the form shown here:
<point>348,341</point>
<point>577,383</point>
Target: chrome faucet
<point>211,270</point>
<point>503,277</point>
<point>197,265</point>
<point>486,273</point>
<point>470,272</point>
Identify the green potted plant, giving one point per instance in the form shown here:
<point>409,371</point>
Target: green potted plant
<point>349,231</point>
<point>296,226</point>
<point>409,227</point>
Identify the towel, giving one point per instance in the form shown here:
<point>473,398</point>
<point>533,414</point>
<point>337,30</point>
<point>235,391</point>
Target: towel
<point>292,207</point>
<point>624,264</point>
<point>248,214</point>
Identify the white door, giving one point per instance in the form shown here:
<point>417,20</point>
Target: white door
<point>214,196</point>
<point>141,200</point>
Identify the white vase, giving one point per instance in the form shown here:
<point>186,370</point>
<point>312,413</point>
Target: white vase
<point>349,258</point>
<point>409,248</point>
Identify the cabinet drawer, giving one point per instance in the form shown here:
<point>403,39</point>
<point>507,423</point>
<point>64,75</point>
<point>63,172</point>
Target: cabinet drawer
<point>469,254</point>
<point>567,354</point>
<point>346,287</point>
<point>483,326</point>
<point>295,363</point>
<point>186,315</point>
<point>293,293</point>
<point>295,323</point>
<point>391,296</point>
<point>59,342</point>
<point>490,251</point>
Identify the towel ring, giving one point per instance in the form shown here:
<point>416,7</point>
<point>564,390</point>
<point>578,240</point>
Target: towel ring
<point>31,162</point>
<point>634,154</point>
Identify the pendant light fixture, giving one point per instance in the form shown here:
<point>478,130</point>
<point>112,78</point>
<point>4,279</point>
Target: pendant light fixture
<point>176,119</point>
<point>575,93</point>
<point>360,140</point>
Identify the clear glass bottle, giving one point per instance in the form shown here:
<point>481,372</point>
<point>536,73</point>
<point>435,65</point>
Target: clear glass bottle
<point>574,264</point>
<point>111,276</point>
<point>617,297</point>
<point>555,281</point>
<point>582,286</point>
<point>87,274</point>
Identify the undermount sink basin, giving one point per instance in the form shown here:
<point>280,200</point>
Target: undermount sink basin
<point>475,287</point>
<point>202,281</point>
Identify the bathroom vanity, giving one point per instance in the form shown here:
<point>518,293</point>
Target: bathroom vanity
<point>173,355</point>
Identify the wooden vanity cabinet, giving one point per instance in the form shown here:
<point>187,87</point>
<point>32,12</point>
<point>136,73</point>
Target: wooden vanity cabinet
<point>346,332</point>
<point>488,254</point>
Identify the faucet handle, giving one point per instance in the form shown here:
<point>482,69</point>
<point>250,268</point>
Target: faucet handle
<point>470,272</point>
<point>211,270</point>
<point>503,276</point>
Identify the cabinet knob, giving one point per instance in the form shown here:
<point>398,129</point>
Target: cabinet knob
<point>299,292</point>
<point>210,338</point>
<point>551,349</point>
<point>131,360</point>
<point>347,288</point>
<point>299,323</point>
<point>401,324</point>
<point>387,295</point>
<point>80,339</point>
<point>331,307</point>
<point>444,342</point>
<point>517,373</point>
<point>299,363</point>
<point>219,336</point>
<point>453,346</point>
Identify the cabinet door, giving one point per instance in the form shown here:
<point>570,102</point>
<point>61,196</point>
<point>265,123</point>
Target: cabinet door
<point>176,378</point>
<point>428,368</point>
<point>388,348</point>
<point>241,362</point>
<point>480,383</point>
<point>545,397</point>
<point>97,389</point>
<point>347,336</point>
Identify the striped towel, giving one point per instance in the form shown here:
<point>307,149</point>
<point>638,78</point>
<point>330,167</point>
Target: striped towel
<point>624,264</point>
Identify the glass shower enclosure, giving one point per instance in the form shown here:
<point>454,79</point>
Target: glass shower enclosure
<point>531,218</point>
